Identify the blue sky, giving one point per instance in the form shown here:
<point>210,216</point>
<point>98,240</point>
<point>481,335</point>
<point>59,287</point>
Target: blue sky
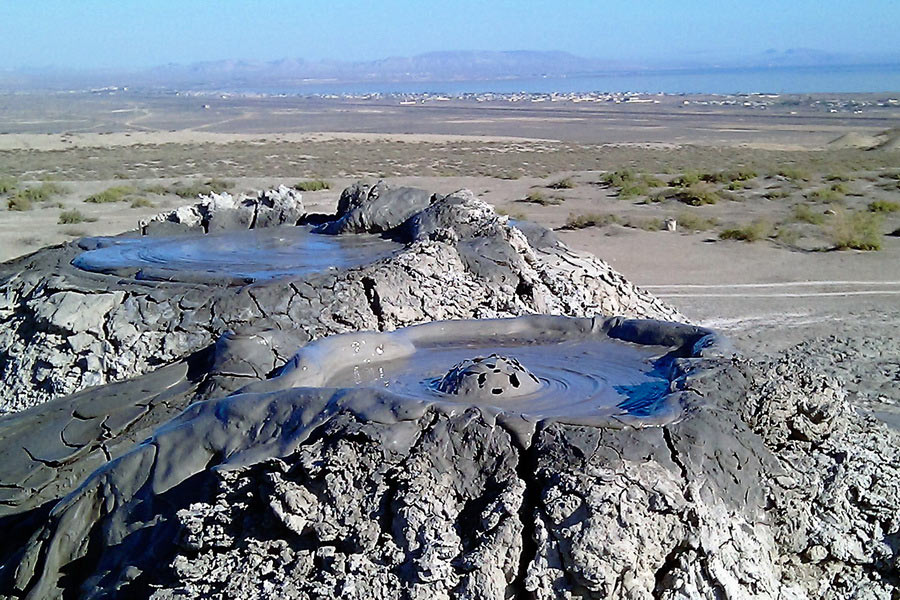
<point>127,33</point>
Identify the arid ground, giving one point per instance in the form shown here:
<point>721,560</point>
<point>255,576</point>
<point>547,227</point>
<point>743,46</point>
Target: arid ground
<point>787,210</point>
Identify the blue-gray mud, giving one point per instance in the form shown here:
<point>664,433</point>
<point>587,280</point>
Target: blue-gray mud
<point>243,256</point>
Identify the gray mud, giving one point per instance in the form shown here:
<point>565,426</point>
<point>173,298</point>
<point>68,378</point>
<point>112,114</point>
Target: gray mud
<point>65,329</point>
<point>244,256</point>
<point>536,457</point>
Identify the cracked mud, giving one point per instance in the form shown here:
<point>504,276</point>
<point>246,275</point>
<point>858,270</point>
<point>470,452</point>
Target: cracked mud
<point>230,465</point>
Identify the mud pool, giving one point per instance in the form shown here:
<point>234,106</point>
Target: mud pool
<point>253,254</point>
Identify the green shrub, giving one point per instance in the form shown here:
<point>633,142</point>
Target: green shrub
<point>737,184</point>
<point>884,206</point>
<point>686,179</point>
<point>312,185</point>
<point>113,194</point>
<point>857,230</point>
<point>590,220</point>
<point>563,184</point>
<point>838,177</point>
<point>8,185</point>
<point>41,193</point>
<point>787,235</point>
<point>776,194</point>
<point>805,214</point>
<point>538,197</point>
<point>630,183</point>
<point>730,177</point>
<point>142,202</point>
<point>19,203</point>
<point>826,195</point>
<point>156,188</point>
<point>755,231</point>
<point>697,194</point>
<point>645,223</point>
<point>793,173</point>
<point>692,222</point>
<point>617,178</point>
<point>70,217</point>
<point>196,188</point>
<point>633,189</point>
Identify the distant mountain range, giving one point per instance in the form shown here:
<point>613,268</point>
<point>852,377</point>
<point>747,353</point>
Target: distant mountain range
<point>430,67</point>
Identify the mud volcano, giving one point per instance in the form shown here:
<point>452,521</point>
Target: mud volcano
<point>99,311</point>
<point>533,457</point>
<point>612,374</point>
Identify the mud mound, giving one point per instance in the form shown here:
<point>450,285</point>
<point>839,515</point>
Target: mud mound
<point>159,298</point>
<point>765,485</point>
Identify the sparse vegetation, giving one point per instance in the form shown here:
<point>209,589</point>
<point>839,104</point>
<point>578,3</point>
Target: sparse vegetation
<point>804,214</point>
<point>827,195</point>
<point>630,183</point>
<point>8,185</point>
<point>730,176</point>
<point>196,188</point>
<point>776,193</point>
<point>753,232</point>
<point>70,217</point>
<point>692,222</point>
<point>113,194</point>
<point>563,184</point>
<point>18,203</point>
<point>590,220</point>
<point>884,206</point>
<point>74,232</point>
<point>856,230</point>
<point>686,179</point>
<point>838,177</point>
<point>645,223</point>
<point>538,197</point>
<point>697,194</point>
<point>793,173</point>
<point>312,185</point>
<point>839,188</point>
<point>42,192</point>
<point>156,188</point>
<point>788,236</point>
<point>141,202</point>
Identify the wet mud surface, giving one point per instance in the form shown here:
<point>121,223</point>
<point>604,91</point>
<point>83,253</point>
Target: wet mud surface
<point>251,255</point>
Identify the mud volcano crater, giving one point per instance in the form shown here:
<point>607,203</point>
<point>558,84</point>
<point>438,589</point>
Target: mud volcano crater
<point>597,372</point>
<point>242,256</point>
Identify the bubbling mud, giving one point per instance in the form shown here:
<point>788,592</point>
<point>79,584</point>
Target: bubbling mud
<point>253,254</point>
<point>601,372</point>
<point>575,379</point>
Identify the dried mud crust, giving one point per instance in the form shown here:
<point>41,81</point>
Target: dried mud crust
<point>63,329</point>
<point>770,487</point>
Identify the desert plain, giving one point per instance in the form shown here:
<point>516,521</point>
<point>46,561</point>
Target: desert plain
<point>786,209</point>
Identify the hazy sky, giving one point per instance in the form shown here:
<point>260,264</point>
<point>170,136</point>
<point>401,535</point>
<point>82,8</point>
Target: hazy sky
<point>127,33</point>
